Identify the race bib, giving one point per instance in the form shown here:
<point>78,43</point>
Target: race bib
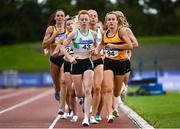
<point>69,50</point>
<point>86,46</point>
<point>111,53</point>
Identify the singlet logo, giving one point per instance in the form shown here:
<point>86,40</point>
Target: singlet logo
<point>60,36</point>
<point>89,41</point>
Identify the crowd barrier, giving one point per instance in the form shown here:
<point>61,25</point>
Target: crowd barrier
<point>15,79</point>
<point>169,80</point>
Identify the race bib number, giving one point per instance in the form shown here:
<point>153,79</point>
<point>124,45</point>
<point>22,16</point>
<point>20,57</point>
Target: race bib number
<point>86,46</point>
<point>111,53</point>
<point>69,50</point>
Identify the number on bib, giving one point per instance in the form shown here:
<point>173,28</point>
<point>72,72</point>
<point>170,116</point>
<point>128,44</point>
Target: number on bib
<point>110,53</point>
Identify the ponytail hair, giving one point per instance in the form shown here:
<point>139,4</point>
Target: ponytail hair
<point>122,19</point>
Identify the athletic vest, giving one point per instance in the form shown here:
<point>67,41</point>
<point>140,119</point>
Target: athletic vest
<point>69,48</point>
<point>58,36</point>
<point>83,43</point>
<point>114,53</point>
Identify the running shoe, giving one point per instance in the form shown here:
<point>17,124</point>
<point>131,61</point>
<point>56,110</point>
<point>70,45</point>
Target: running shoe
<point>70,113</point>
<point>110,119</point>
<point>93,120</point>
<point>98,118</point>
<point>64,116</point>
<point>56,95</point>
<point>115,114</point>
<point>80,101</point>
<point>85,121</point>
<point>61,111</point>
<point>74,119</point>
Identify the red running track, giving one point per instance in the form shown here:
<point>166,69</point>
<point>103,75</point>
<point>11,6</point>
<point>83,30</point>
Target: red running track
<point>37,108</point>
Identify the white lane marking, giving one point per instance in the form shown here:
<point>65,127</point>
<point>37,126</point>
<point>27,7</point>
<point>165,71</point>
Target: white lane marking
<point>27,101</point>
<point>54,122</point>
<point>15,94</point>
<point>138,120</point>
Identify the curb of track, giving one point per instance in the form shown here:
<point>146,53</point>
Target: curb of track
<point>138,120</point>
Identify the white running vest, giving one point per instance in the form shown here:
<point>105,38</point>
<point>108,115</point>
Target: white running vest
<point>83,43</point>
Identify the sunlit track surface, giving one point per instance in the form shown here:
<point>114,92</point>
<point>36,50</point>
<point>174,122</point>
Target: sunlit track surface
<point>38,113</point>
<point>17,97</point>
<point>37,108</point>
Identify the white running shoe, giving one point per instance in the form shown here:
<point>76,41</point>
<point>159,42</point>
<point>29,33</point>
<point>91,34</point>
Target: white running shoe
<point>93,120</point>
<point>115,114</point>
<point>80,101</point>
<point>74,119</point>
<point>61,111</point>
<point>85,121</point>
<point>70,114</point>
<point>64,116</point>
<point>110,119</point>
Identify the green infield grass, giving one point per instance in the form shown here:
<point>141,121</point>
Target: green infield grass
<point>27,57</point>
<point>160,40</point>
<point>160,111</point>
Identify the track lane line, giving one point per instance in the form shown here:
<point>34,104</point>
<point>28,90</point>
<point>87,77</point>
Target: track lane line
<point>15,94</point>
<point>54,122</point>
<point>27,101</point>
<point>137,119</point>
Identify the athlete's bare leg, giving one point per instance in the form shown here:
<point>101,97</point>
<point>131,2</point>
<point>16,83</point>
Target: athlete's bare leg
<point>107,92</point>
<point>87,84</point>
<point>98,77</point>
<point>55,73</point>
<point>118,82</point>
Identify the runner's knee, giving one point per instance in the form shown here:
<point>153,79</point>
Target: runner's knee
<point>107,90</point>
<point>63,82</point>
<point>97,90</point>
<point>87,92</point>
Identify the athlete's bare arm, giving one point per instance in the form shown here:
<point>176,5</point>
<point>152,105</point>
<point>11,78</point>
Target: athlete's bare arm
<point>100,47</point>
<point>132,38</point>
<point>49,37</point>
<point>61,48</point>
<point>70,38</point>
<point>95,37</point>
<point>95,49</point>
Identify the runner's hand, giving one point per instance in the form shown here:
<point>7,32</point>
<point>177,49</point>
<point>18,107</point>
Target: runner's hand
<point>110,46</point>
<point>56,52</point>
<point>72,60</point>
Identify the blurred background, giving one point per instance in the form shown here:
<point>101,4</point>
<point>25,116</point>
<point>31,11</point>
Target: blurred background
<point>26,20</point>
<point>155,64</point>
